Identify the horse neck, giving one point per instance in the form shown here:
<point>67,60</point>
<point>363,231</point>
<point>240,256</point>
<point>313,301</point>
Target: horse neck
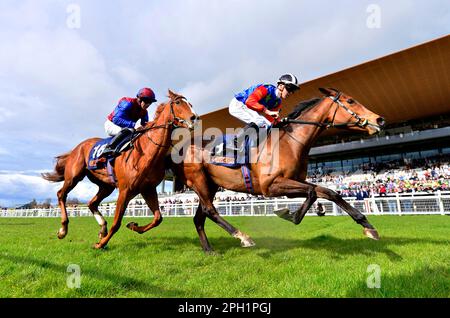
<point>156,142</point>
<point>307,133</point>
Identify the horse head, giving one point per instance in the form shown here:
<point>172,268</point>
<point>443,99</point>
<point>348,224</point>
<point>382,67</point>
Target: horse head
<point>350,114</point>
<point>182,113</point>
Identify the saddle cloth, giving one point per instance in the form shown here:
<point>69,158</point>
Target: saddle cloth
<point>96,161</point>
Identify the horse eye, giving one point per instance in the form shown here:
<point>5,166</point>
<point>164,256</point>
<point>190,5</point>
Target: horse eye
<point>177,102</point>
<point>350,101</point>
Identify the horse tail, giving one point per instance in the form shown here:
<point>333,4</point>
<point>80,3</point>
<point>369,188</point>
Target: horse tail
<point>58,174</point>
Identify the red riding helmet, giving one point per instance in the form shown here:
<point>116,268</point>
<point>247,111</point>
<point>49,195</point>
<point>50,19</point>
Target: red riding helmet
<point>146,93</point>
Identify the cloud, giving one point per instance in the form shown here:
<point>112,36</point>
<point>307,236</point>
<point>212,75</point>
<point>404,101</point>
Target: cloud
<point>57,84</point>
<point>23,186</point>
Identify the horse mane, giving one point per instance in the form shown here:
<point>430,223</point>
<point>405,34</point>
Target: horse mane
<point>303,106</point>
<point>158,111</point>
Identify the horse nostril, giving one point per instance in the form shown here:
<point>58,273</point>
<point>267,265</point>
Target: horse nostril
<point>380,121</point>
<point>194,118</point>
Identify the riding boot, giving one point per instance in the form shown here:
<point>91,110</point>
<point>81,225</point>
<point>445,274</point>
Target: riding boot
<point>114,146</point>
<point>239,144</point>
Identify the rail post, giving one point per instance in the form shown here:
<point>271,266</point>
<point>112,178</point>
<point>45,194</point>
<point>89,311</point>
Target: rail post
<point>440,202</point>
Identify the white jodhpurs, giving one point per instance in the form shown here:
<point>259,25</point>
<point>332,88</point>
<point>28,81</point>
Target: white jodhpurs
<point>111,128</point>
<point>247,115</point>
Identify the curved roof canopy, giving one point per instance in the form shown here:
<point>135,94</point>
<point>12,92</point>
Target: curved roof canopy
<point>410,84</point>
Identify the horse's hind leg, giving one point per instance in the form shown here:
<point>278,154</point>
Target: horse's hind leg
<point>357,216</point>
<point>206,191</point>
<point>104,191</point>
<point>151,198</point>
<point>199,221</point>
<point>68,185</point>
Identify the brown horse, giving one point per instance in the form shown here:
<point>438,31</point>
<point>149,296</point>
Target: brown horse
<point>138,170</point>
<point>287,177</point>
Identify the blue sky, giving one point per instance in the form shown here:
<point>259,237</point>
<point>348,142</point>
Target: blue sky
<point>58,83</point>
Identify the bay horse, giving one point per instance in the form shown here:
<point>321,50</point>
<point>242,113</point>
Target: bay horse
<point>138,170</point>
<point>297,134</point>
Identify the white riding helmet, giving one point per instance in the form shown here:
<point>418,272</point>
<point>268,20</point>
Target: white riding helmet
<point>290,81</point>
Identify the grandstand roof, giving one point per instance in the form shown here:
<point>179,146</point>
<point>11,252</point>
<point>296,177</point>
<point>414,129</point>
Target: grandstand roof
<point>406,85</point>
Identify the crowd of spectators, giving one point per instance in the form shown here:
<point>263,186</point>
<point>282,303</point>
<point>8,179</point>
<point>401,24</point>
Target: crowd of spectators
<point>385,179</point>
<point>399,176</point>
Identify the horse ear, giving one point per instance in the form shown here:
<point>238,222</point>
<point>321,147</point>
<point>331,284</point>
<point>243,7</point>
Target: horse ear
<point>329,91</point>
<point>171,94</point>
<point>325,91</point>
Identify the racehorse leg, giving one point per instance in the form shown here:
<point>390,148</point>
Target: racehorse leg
<point>359,218</point>
<point>121,205</point>
<point>199,221</point>
<point>103,192</point>
<point>293,189</point>
<point>68,186</point>
<point>206,192</point>
<point>151,198</point>
<point>212,214</point>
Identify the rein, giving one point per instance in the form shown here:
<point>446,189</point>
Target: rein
<point>171,123</point>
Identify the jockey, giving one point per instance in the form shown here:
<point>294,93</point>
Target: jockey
<point>122,120</point>
<point>259,105</point>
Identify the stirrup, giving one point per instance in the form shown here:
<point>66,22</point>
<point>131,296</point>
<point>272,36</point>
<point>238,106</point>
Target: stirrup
<point>218,150</point>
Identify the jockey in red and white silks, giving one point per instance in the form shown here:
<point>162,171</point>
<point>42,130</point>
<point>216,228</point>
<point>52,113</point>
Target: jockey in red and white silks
<point>128,111</point>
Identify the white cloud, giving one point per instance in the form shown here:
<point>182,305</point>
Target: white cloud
<point>22,187</point>
<point>57,84</point>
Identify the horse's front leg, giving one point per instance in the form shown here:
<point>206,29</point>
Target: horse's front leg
<point>356,215</point>
<point>122,203</point>
<point>293,189</point>
<point>151,198</point>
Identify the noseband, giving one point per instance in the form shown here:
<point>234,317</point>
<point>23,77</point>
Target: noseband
<point>360,122</point>
<point>177,120</point>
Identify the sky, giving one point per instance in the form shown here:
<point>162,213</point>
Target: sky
<point>65,64</point>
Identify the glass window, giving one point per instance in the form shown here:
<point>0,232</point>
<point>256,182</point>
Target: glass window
<point>429,153</point>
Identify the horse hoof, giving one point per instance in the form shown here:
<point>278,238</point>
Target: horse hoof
<point>97,246</point>
<point>248,243</point>
<point>132,225</point>
<point>371,233</point>
<point>61,235</point>
<point>285,214</point>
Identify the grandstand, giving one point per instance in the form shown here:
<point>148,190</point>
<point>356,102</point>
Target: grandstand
<point>404,169</point>
<point>410,89</point>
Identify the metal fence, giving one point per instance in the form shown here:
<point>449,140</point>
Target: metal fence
<point>438,203</point>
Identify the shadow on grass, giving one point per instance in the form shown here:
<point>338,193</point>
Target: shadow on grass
<point>123,282</point>
<point>429,282</point>
<point>266,247</point>
<point>339,248</point>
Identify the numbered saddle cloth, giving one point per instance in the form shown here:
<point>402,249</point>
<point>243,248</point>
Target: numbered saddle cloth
<point>96,161</point>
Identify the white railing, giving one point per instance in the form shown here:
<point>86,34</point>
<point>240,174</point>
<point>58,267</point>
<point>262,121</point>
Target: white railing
<point>438,203</point>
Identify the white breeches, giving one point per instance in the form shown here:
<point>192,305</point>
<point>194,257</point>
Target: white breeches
<point>247,115</point>
<point>111,128</point>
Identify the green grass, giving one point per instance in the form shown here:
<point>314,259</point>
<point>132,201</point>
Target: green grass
<point>322,257</point>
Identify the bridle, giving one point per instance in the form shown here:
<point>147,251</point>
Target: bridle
<point>173,123</point>
<point>360,122</point>
<point>179,120</point>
